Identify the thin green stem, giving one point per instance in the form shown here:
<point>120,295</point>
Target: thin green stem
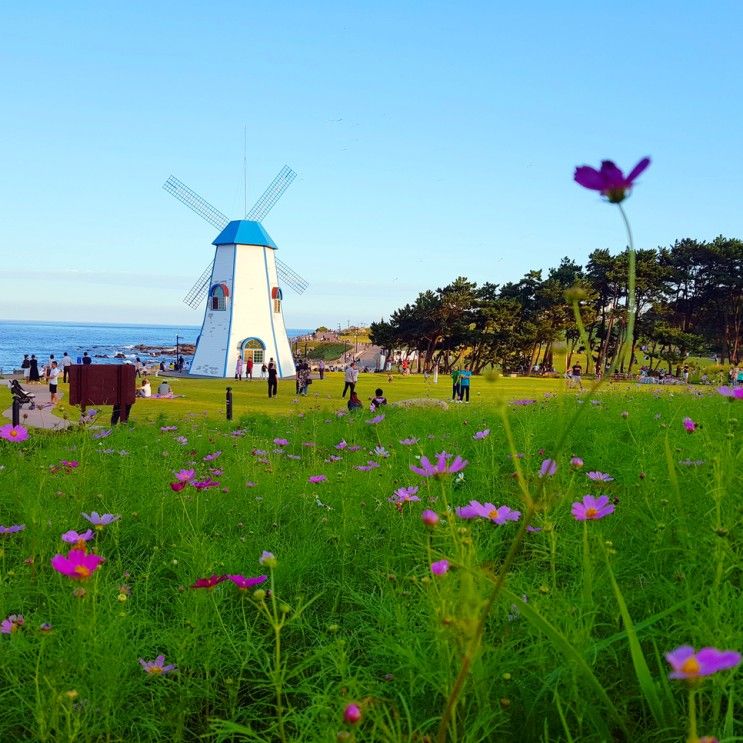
<point>631,293</point>
<point>693,737</point>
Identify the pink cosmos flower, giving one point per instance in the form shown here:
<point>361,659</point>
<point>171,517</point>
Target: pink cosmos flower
<point>16,434</point>
<point>281,442</point>
<point>733,393</point>
<point>352,714</point>
<point>176,487</point>
<point>404,495</point>
<point>78,564</point>
<point>185,475</point>
<point>442,466</point>
<point>368,467</point>
<point>687,664</point>
<point>341,444</point>
<point>429,517</point>
<point>314,479</point>
<point>13,529</point>
<point>12,624</point>
<point>210,582</point>
<point>211,457</point>
<point>409,442</point>
<point>476,510</point>
<point>205,484</point>
<point>156,667</point>
<point>355,447</point>
<point>548,468</point>
<point>576,462</point>
<point>597,476</point>
<point>380,451</point>
<point>591,508</point>
<point>440,568</point>
<point>376,419</point>
<point>609,179</point>
<point>73,537</point>
<point>481,434</point>
<point>244,583</point>
<point>689,425</point>
<point>333,458</point>
<point>99,521</point>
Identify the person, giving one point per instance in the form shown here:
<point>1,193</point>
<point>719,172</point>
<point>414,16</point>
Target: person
<point>264,369</point>
<point>273,386</point>
<point>53,376</point>
<point>33,370</point>
<point>48,366</point>
<point>739,378</point>
<point>249,368</point>
<point>686,374</point>
<point>116,413</point>
<point>181,363</point>
<point>162,366</point>
<point>353,401</point>
<point>303,377</point>
<point>351,377</point>
<point>87,359</point>
<point>26,366</point>
<point>66,364</point>
<point>575,374</point>
<point>239,369</point>
<point>455,388</point>
<point>138,366</point>
<point>464,384</point>
<point>164,389</point>
<point>378,400</point>
<point>145,390</point>
<point>321,369</point>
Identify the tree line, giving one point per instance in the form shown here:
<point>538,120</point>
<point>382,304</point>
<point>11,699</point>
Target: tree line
<point>689,299</point>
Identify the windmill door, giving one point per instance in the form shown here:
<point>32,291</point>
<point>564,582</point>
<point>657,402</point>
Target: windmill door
<point>255,349</point>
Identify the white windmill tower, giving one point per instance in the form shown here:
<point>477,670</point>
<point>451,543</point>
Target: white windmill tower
<point>244,315</point>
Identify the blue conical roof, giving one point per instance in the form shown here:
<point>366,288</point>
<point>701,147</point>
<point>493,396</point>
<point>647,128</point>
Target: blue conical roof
<point>244,232</point>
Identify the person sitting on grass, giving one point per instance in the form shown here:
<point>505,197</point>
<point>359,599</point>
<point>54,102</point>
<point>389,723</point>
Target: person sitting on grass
<point>378,400</point>
<point>353,402</point>
<point>145,390</point>
<point>164,389</point>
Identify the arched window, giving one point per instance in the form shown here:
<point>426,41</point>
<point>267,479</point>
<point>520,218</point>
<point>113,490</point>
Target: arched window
<point>218,297</point>
<point>277,296</point>
<point>253,348</point>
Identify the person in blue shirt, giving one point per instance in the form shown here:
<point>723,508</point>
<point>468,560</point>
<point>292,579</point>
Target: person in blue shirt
<point>464,384</point>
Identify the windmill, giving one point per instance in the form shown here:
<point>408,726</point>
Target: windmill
<point>243,316</point>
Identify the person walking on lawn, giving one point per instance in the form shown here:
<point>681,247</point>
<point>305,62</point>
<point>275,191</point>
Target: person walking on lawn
<point>351,377</point>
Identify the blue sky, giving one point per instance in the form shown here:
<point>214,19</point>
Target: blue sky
<point>431,140</point>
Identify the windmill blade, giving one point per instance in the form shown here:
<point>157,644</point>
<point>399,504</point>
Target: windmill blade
<point>200,288</point>
<point>193,201</point>
<point>290,277</point>
<point>272,194</point>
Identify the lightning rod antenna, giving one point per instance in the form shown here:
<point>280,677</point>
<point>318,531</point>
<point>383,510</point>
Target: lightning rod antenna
<point>245,169</point>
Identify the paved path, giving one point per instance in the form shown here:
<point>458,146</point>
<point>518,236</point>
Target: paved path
<point>43,415</point>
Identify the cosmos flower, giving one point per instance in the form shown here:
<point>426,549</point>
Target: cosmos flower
<point>16,434</point>
<point>211,457</point>
<point>73,537</point>
<point>341,444</point>
<point>441,567</point>
<point>429,517</point>
<point>210,582</point>
<point>481,434</point>
<point>609,179</point>
<point>592,508</point>
<point>576,462</point>
<point>185,475</point>
<point>102,434</point>
<point>355,447</point>
<point>333,458</point>
<point>368,467</point>
<point>176,487</point>
<point>205,484</point>
<point>376,419</point>
<point>687,664</point>
<point>156,667</point>
<point>441,467</point>
<point>12,624</point>
<point>99,521</point>
<point>476,510</point>
<point>548,468</point>
<point>733,393</point>
<point>404,495</point>
<point>409,442</point>
<point>281,442</point>
<point>78,564</point>
<point>315,479</point>
<point>166,429</point>
<point>182,440</point>
<point>597,476</point>
<point>244,583</point>
<point>352,714</point>
<point>380,451</point>
<point>689,425</point>
<point>13,529</point>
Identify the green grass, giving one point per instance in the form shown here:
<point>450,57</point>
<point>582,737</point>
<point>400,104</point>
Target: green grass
<point>572,648</point>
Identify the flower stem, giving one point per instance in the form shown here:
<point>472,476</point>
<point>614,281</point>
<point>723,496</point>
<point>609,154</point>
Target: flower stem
<point>693,737</point>
<point>631,293</point>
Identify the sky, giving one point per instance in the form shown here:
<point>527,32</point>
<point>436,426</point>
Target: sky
<point>431,140</point>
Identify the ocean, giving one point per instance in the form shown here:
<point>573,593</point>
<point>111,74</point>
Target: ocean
<point>102,341</point>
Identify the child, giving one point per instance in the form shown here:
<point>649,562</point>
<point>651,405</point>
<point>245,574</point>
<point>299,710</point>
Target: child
<point>54,372</point>
<point>379,399</point>
<point>353,402</point>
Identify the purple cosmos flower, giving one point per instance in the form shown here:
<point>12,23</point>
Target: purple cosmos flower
<point>268,558</point>
<point>315,479</point>
<point>205,484</point>
<point>430,518</point>
<point>477,510</point>
<point>404,495</point>
<point>380,451</point>
<point>352,714</point>
<point>333,458</point>
<point>481,434</point>
<point>281,442</point>
<point>182,440</point>
<point>440,568</point>
<point>13,529</point>
<point>597,476</point>
<point>244,583</point>
<point>213,456</point>
<point>73,537</point>
<point>341,444</point>
<point>734,393</point>
<point>687,664</point>
<point>259,452</point>
<point>238,432</point>
<point>533,529</point>
<point>210,582</point>
<point>78,565</point>
<point>102,434</point>
<point>689,425</point>
<point>156,667</point>
<point>12,624</point>
<point>376,419</point>
<point>16,434</point>
<point>185,475</point>
<point>442,466</point>
<point>548,468</point>
<point>368,467</point>
<point>591,508</point>
<point>576,462</point>
<point>99,521</point>
<point>355,447</point>
<point>409,442</point>
<point>609,179</point>
<point>166,429</point>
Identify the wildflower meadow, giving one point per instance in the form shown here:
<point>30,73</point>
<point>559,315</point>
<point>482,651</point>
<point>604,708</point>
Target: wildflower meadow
<point>560,568</point>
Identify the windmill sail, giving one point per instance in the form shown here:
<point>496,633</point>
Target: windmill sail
<point>199,290</point>
<point>193,201</point>
<point>272,194</point>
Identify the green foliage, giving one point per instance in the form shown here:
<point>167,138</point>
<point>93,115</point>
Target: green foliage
<point>327,351</point>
